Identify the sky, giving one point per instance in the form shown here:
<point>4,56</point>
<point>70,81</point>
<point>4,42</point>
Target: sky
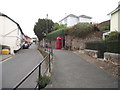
<point>27,12</point>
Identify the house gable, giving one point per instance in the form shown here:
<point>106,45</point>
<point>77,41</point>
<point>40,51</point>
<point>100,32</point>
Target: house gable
<point>11,33</point>
<point>3,15</point>
<point>72,19</point>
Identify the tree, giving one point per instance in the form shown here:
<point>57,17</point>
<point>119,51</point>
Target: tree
<point>42,27</point>
<point>59,26</point>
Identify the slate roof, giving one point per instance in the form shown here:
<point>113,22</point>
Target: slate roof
<point>84,16</point>
<point>1,14</point>
<point>72,15</point>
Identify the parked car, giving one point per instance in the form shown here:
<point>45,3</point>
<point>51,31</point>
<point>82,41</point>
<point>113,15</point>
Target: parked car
<point>25,46</point>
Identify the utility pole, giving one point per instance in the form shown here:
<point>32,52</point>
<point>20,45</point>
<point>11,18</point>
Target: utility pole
<point>46,16</point>
<point>44,33</point>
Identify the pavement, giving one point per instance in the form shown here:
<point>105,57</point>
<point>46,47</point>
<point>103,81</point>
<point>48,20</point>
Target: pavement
<point>71,71</point>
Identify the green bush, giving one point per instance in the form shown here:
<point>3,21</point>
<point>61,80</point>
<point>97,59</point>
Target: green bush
<point>53,35</point>
<point>44,81</point>
<point>98,45</point>
<point>113,36</point>
<point>80,30</point>
<point>104,46</point>
<point>113,46</point>
<point>104,26</point>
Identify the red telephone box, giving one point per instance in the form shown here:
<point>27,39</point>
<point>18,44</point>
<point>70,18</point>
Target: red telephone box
<point>58,43</point>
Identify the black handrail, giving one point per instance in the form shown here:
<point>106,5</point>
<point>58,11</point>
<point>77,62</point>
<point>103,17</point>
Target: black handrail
<point>38,66</point>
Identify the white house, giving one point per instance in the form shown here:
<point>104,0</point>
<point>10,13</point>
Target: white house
<point>115,19</point>
<point>10,33</point>
<point>72,19</point>
<point>84,18</point>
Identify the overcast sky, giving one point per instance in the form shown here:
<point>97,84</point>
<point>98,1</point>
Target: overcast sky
<point>27,12</point>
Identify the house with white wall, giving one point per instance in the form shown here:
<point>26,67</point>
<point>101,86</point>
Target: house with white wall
<point>10,33</point>
<point>71,20</point>
<point>115,19</point>
<point>84,19</point>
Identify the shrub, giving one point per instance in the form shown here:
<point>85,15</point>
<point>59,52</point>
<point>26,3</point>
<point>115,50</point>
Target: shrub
<point>53,35</point>
<point>80,30</point>
<point>104,26</point>
<point>104,46</point>
<point>113,46</point>
<point>44,81</point>
<point>98,45</point>
<point>113,36</point>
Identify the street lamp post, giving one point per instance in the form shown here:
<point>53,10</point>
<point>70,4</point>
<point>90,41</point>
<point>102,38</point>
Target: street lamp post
<point>44,35</point>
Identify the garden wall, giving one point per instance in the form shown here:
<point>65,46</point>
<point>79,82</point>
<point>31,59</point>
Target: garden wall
<point>92,53</point>
<point>113,57</point>
<point>77,43</point>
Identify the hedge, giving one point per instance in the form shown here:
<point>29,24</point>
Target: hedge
<point>104,46</point>
<point>78,30</point>
<point>53,35</point>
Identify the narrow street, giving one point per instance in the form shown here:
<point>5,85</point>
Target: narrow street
<point>71,71</point>
<point>14,69</point>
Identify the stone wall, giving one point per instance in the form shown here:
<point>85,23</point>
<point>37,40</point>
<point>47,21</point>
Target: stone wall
<point>76,43</point>
<point>53,43</point>
<point>113,57</point>
<point>108,57</point>
<point>92,53</point>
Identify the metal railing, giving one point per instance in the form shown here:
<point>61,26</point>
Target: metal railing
<point>39,71</point>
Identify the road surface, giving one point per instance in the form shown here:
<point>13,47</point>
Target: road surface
<point>71,71</point>
<point>14,69</point>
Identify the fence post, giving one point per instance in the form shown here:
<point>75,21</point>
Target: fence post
<point>49,63</point>
<point>52,52</point>
<point>39,76</point>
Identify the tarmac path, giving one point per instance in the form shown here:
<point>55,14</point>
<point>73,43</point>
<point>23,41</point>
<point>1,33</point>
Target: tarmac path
<point>71,71</point>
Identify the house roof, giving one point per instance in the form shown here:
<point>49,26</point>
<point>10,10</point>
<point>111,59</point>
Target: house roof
<point>117,9</point>
<point>84,16</point>
<point>70,15</point>
<point>1,14</point>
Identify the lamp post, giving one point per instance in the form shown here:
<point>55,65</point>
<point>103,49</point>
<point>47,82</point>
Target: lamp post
<point>44,35</point>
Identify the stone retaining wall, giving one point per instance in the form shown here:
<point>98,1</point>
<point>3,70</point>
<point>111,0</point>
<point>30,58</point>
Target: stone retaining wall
<point>92,53</point>
<point>77,43</point>
<point>110,57</point>
<point>113,57</point>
